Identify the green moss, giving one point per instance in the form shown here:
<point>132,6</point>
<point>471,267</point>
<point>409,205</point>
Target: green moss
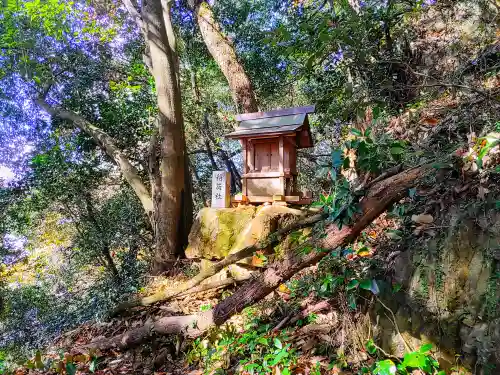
<point>216,230</point>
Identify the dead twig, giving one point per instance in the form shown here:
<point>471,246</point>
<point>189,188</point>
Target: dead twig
<point>393,321</point>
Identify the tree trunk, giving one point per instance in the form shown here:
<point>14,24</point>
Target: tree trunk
<point>169,204</point>
<point>230,167</point>
<point>223,53</point>
<point>173,201</point>
<point>206,132</point>
<point>377,200</point>
<point>110,262</point>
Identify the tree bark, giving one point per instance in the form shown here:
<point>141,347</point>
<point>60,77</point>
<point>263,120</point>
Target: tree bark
<point>173,201</point>
<point>376,201</point>
<point>223,53</point>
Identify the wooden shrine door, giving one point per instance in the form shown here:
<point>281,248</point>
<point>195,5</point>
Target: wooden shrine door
<point>266,156</point>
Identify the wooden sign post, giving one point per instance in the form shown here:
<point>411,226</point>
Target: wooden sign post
<point>221,189</point>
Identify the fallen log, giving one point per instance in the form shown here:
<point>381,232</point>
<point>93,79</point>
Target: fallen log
<point>378,198</point>
<point>214,285</point>
<point>248,251</point>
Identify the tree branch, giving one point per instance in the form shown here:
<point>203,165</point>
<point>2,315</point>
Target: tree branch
<point>134,13</point>
<point>107,143</point>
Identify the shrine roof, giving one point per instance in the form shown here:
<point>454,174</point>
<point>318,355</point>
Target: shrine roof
<point>278,125</point>
<point>281,121</point>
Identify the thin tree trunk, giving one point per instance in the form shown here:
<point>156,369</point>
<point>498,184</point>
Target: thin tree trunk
<point>210,155</point>
<point>110,262</point>
<point>230,167</point>
<point>104,243</point>
<point>198,181</point>
<point>208,138</point>
<point>223,53</point>
<point>378,199</point>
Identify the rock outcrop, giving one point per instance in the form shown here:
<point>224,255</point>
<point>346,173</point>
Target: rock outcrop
<point>218,232</point>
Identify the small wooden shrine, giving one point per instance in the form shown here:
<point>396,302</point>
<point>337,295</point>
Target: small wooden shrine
<point>269,143</point>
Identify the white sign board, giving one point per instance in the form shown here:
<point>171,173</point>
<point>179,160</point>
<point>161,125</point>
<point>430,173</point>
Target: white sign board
<point>221,189</point>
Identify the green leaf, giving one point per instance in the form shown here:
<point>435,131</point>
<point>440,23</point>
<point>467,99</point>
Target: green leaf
<point>337,158</point>
<point>386,367</point>
<point>365,284</point>
<point>263,341</point>
<point>285,371</point>
<point>93,364</point>
<point>324,36</point>
<point>397,150</point>
<point>417,360</point>
<point>370,347</point>
<point>425,348</point>
<point>394,234</point>
<point>396,287</point>
<point>70,368</point>
<point>347,163</point>
<point>356,132</point>
<point>282,354</point>
<point>310,61</point>
<point>277,343</point>
<point>352,284</point>
<point>352,301</point>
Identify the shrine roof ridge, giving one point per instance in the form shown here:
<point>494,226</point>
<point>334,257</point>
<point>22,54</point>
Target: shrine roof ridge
<point>276,113</point>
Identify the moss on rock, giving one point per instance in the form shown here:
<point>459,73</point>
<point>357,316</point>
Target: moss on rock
<point>215,231</point>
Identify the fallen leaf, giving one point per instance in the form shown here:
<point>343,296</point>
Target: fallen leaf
<point>284,289</point>
<point>430,121</point>
<point>257,261</point>
<point>311,343</point>
<point>422,219</point>
<point>364,252</point>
